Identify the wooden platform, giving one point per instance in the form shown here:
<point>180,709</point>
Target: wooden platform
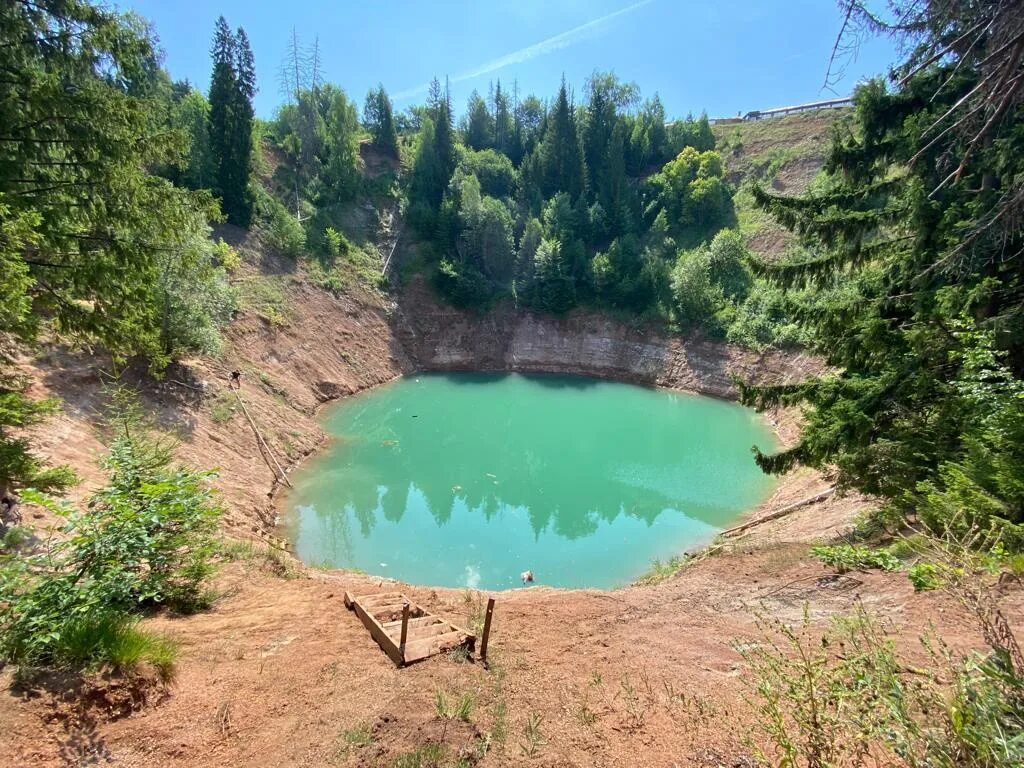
<point>405,631</point>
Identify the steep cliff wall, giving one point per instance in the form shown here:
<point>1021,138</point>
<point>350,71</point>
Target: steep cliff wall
<point>438,337</point>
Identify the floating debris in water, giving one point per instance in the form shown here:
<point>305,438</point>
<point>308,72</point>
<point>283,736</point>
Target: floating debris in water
<point>383,565</point>
<point>456,488</point>
<point>389,443</point>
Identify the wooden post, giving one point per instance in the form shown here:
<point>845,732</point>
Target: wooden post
<point>487,629</point>
<point>405,629</point>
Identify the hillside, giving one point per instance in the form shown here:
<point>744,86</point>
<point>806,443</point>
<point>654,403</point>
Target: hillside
<point>785,154</point>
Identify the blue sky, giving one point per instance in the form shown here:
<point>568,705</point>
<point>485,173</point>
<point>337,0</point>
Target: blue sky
<point>722,56</point>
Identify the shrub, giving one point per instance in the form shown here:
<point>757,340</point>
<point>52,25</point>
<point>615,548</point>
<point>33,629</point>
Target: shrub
<point>145,539</point>
<point>335,242</point>
<point>924,576</point>
<point>695,296</point>
<point>846,698</point>
<point>847,557</point>
<point>283,230</point>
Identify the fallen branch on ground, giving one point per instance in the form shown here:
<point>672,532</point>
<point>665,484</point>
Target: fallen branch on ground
<point>781,512</point>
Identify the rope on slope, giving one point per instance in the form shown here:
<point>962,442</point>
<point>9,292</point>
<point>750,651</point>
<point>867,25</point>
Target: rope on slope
<point>265,449</point>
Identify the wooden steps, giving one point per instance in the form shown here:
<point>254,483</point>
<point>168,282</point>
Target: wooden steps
<point>391,617</point>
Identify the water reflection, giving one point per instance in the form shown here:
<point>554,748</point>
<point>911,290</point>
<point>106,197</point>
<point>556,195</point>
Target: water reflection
<point>560,458</point>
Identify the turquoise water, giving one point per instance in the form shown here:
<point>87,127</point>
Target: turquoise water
<point>470,479</point>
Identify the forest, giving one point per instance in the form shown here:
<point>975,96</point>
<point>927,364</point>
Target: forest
<point>907,280</point>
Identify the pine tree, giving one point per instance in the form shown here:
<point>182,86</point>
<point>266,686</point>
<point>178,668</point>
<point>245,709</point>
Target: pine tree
<point>232,87</point>
<point>222,90</point>
<point>478,132</point>
<point>561,153</point>
<point>378,117</point>
<point>918,289</point>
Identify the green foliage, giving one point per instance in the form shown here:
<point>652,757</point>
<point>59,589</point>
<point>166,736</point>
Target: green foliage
<point>336,242</point>
<point>560,154</point>
<point>190,115</point>
<point>566,169</point>
<point>765,318</point>
<point>195,297</point>
<point>446,709</point>
<point>847,699</point>
<point>922,336</point>
<point>664,570</point>
<point>478,125</point>
<point>553,287</point>
<point>223,408</point>
<point>232,87</point>
<point>88,110</point>
<point>115,640</point>
<point>695,296</point>
<point>266,297</point>
<point>144,539</point>
<point>378,117</point>
<point>319,131</point>
<point>283,230</point>
<point>924,576</point>
<point>848,557</point>
<point>692,191</point>
<point>494,171</point>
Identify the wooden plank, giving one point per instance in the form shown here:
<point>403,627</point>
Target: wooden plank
<point>421,649</point>
<point>404,630</point>
<point>487,628</point>
<point>421,633</point>
<point>391,613</point>
<point>380,598</point>
<point>422,621</point>
<point>377,633</point>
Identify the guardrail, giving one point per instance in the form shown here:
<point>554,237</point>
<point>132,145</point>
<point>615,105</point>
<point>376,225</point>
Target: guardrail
<point>763,114</point>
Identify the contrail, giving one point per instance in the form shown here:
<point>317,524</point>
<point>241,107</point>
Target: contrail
<point>544,47</point>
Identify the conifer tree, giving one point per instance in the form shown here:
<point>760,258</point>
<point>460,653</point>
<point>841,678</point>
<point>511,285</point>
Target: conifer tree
<point>923,333</point>
<point>84,225</point>
<point>479,125</point>
<point>504,131</point>
<point>561,154</point>
<point>378,117</point>
<point>232,87</point>
<point>222,89</point>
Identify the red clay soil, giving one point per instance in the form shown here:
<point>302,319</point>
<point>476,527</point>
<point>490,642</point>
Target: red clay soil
<point>279,673</point>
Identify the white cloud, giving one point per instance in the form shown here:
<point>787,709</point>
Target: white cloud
<point>544,47</point>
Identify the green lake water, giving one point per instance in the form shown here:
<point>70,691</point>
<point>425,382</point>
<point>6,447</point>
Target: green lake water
<point>470,479</point>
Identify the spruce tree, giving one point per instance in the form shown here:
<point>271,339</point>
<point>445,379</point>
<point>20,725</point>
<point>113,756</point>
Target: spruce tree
<point>504,132</point>
<point>379,118</point>
<point>238,203</point>
<point>561,154</point>
<point>444,131</point>
<point>232,87</point>
<point>479,126</point>
<point>924,317</point>
<point>222,90</point>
